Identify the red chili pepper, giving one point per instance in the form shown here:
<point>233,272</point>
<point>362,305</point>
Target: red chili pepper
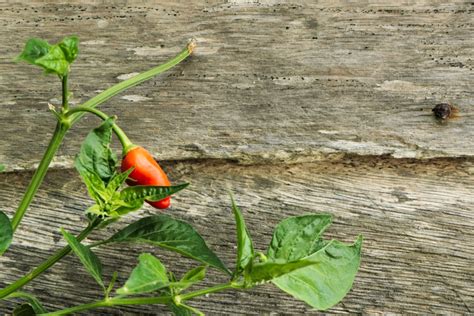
<point>146,172</point>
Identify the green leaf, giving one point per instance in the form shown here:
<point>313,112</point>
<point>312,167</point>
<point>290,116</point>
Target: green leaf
<point>119,208</point>
<point>2,168</point>
<point>52,58</point>
<point>34,303</point>
<point>149,193</point>
<point>89,259</point>
<point>148,276</point>
<point>35,48</point>
<point>245,249</point>
<point>69,46</point>
<point>172,234</point>
<point>297,237</point>
<point>325,283</point>
<point>24,309</point>
<point>116,182</point>
<point>95,186</point>
<point>6,232</point>
<point>192,277</point>
<point>54,61</point>
<point>95,155</point>
<point>267,271</point>
<point>132,198</point>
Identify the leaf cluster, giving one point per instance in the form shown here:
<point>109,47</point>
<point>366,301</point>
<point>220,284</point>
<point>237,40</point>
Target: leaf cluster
<point>97,165</point>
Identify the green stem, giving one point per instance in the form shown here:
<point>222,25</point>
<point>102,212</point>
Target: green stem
<point>217,288</point>
<point>124,140</point>
<point>143,300</point>
<point>65,92</point>
<point>113,302</point>
<point>107,94</point>
<point>47,264</point>
<point>38,177</point>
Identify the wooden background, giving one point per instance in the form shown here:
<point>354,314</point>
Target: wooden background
<point>296,107</point>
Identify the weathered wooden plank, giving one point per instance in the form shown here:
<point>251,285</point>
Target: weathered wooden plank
<point>416,219</point>
<point>270,81</point>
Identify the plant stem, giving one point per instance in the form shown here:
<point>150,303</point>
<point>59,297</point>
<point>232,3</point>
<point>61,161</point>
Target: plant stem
<point>113,302</point>
<point>142,300</point>
<point>62,128</point>
<point>65,92</point>
<point>217,288</point>
<point>107,94</point>
<point>124,140</point>
<point>48,263</point>
<point>39,174</point>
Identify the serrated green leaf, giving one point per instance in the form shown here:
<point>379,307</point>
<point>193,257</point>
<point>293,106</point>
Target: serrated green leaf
<point>33,302</point>
<point>35,48</point>
<point>6,232</point>
<point>172,234</point>
<point>69,46</point>
<point>95,155</point>
<point>298,237</point>
<point>89,259</point>
<point>245,251</point>
<point>148,276</point>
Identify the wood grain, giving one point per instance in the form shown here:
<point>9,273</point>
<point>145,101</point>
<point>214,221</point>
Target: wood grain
<point>416,219</point>
<point>271,81</point>
<point>295,106</point>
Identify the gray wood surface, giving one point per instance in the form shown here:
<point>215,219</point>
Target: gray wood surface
<point>270,81</point>
<point>297,107</point>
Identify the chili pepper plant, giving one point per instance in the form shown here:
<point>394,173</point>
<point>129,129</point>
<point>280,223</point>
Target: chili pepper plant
<point>298,260</point>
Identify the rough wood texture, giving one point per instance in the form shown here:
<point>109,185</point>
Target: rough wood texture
<point>416,219</point>
<point>314,99</point>
<point>270,80</point>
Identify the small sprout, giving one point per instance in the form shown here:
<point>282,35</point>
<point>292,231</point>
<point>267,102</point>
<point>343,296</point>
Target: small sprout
<point>444,111</point>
